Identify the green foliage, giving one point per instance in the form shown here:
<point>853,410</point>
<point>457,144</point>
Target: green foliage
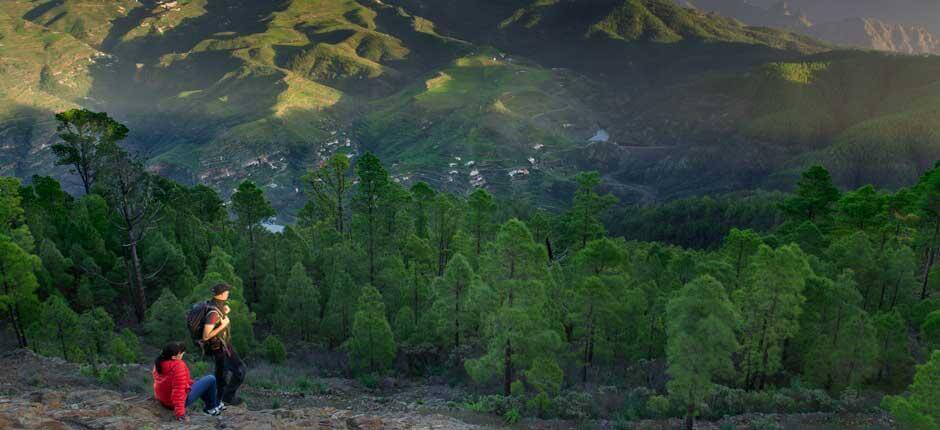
<point>274,350</point>
<point>830,299</point>
<point>770,303</point>
<point>56,332</point>
<point>87,138</point>
<point>546,376</point>
<point>930,330</point>
<point>583,221</point>
<point>814,196</point>
<point>298,310</point>
<point>372,345</point>
<point>701,328</point>
<point>659,406</point>
<point>921,409</point>
<point>166,320</point>
<point>18,301</point>
<point>96,337</point>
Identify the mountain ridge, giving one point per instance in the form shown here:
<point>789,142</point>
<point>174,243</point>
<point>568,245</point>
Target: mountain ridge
<point>216,94</point>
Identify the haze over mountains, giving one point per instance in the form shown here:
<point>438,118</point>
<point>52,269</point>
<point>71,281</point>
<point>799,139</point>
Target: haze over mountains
<point>512,95</point>
<point>908,27</point>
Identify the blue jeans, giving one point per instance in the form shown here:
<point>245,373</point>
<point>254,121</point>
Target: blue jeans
<point>204,389</point>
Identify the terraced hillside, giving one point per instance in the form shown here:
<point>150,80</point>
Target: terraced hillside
<point>513,95</point>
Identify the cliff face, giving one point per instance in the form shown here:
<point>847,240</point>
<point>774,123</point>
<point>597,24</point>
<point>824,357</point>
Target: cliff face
<point>879,35</point>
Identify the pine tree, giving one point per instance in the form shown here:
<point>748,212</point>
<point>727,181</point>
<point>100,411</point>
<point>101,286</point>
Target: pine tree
<point>701,340</point>
<point>344,293</point>
<point>18,285</point>
<point>930,207</point>
<point>97,332</point>
<point>165,320</point>
<point>770,303</point>
<point>583,221</point>
<point>738,247</point>
<point>814,196</point>
<point>328,185</point>
<point>921,410</point>
<point>56,332</point>
<point>251,208</point>
<point>861,208</point>
<point>453,296</point>
<point>372,189</point>
<point>422,197</point>
<point>298,312</point>
<point>443,223</point>
<point>517,331</point>
<point>894,360</point>
<point>86,138</point>
<point>598,293</point>
<point>480,217</point>
<point>12,216</point>
<point>372,344</point>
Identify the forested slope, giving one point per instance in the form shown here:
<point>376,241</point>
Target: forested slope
<point>829,307</point>
<point>663,101</point>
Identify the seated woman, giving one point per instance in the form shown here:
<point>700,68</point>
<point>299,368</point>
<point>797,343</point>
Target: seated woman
<point>173,387</point>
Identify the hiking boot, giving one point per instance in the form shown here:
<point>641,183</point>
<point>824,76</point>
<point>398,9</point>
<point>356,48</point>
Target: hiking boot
<point>216,411</point>
<point>221,406</point>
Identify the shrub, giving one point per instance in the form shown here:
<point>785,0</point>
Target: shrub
<point>369,380</point>
<point>274,350</point>
<point>634,404</point>
<point>517,389</point>
<point>541,404</point>
<point>659,406</point>
<point>306,385</point>
<point>766,424</point>
<point>908,414</point>
<point>545,376</point>
<point>111,374</point>
<point>576,405</point>
<point>512,416</point>
<point>490,404</point>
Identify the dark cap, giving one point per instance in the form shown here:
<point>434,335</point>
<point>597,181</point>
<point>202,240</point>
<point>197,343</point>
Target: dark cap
<point>220,288</point>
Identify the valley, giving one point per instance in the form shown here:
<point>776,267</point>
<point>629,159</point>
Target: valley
<point>220,91</point>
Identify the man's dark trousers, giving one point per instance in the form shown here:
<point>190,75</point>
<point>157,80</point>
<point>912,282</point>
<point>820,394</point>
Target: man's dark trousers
<point>228,362</point>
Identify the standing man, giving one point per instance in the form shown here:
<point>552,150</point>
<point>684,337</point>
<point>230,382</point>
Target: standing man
<point>217,340</point>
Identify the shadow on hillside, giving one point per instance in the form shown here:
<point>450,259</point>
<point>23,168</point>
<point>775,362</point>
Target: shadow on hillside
<point>175,100</point>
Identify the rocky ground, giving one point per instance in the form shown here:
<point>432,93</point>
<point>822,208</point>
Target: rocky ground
<point>44,393</point>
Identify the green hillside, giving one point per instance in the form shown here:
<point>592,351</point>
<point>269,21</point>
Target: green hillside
<point>677,102</point>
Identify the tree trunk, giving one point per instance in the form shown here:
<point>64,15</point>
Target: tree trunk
<point>371,247</point>
<point>930,259</point>
<point>140,296</point>
<point>17,327</point>
<point>457,322</point>
<point>690,417</point>
<point>507,369</point>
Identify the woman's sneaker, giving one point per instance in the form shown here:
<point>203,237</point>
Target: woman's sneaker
<point>216,411</point>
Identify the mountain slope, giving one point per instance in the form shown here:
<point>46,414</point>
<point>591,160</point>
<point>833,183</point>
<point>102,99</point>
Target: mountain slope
<point>875,34</point>
<point>511,95</point>
<point>849,26</point>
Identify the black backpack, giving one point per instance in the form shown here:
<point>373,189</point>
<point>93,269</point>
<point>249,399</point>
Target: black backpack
<point>196,319</point>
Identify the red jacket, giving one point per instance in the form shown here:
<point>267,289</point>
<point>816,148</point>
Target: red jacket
<point>172,385</point>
